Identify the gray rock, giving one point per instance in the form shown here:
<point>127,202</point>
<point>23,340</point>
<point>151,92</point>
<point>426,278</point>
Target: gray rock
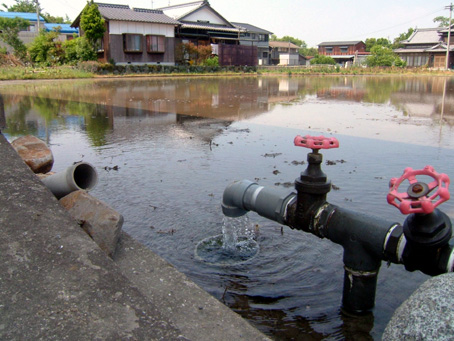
<point>427,314</point>
<point>102,223</point>
<point>35,153</point>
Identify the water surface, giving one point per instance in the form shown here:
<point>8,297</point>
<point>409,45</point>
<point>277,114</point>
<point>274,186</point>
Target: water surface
<point>165,149</point>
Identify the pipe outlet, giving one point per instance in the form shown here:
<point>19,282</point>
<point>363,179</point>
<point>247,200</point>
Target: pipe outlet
<point>243,196</point>
<point>79,176</point>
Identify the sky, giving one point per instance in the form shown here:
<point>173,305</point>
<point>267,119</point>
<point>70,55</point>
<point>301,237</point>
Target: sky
<point>309,20</point>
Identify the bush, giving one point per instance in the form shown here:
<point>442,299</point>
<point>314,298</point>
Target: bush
<point>46,50</point>
<point>77,50</point>
<point>212,61</point>
<point>320,59</point>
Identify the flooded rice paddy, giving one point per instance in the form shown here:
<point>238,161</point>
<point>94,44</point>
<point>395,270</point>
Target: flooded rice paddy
<point>165,149</point>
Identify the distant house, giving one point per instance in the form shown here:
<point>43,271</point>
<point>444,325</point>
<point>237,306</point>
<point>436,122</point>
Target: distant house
<point>29,34</point>
<point>284,53</point>
<point>66,32</point>
<point>344,52</point>
<point>426,47</point>
<point>135,36</point>
<point>200,24</point>
<point>255,36</point>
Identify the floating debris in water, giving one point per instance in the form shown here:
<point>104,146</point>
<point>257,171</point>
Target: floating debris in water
<point>273,155</point>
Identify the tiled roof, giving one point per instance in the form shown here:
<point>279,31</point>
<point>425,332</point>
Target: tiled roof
<point>124,13</point>
<point>180,11</point>
<point>251,28</point>
<point>26,16</point>
<point>203,26</point>
<point>423,36</point>
<point>338,43</point>
<point>283,44</point>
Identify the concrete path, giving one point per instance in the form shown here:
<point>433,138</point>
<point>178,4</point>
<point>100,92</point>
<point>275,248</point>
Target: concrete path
<point>55,283</point>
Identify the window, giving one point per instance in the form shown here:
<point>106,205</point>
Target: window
<point>344,49</point>
<point>132,42</point>
<point>156,44</point>
<point>329,49</point>
<point>263,37</point>
<point>99,45</point>
<point>265,54</point>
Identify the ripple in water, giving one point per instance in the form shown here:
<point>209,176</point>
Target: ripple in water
<point>235,245</point>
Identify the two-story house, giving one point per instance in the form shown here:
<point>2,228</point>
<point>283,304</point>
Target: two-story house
<point>135,35</point>
<point>234,43</point>
<point>255,36</point>
<point>284,53</point>
<point>426,47</point>
<point>344,52</point>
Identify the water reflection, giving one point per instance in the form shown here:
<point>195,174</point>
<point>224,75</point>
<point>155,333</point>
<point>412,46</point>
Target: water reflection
<point>176,146</point>
<point>415,100</point>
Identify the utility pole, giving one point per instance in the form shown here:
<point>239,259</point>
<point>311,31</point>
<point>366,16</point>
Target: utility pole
<point>448,44</point>
<point>37,13</point>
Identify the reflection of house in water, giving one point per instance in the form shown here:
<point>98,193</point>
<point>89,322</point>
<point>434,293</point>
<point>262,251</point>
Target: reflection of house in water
<point>342,93</point>
<point>225,99</point>
<point>429,105</point>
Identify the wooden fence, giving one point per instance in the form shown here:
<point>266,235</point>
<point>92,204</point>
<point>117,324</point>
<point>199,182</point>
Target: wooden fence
<point>237,55</point>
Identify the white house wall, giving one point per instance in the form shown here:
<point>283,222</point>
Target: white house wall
<point>121,27</point>
<point>205,14</point>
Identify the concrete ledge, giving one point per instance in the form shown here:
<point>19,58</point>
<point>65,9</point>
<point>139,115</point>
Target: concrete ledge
<point>55,283</point>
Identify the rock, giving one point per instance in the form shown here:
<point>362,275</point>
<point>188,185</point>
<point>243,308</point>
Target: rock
<point>427,314</point>
<point>102,223</point>
<point>43,176</point>
<point>35,153</point>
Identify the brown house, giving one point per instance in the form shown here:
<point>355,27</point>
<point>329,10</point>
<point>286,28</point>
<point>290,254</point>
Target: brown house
<point>427,47</point>
<point>343,52</point>
<point>135,36</point>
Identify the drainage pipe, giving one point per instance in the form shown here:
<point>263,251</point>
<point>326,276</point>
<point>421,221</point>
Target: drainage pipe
<point>79,176</point>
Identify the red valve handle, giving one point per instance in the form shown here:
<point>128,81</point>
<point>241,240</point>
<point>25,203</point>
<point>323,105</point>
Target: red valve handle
<point>316,142</point>
<point>418,199</point>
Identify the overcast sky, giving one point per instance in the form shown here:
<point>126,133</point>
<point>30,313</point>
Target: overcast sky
<point>311,21</point>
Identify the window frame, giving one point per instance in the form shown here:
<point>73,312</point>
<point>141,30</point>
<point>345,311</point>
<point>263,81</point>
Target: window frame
<point>161,43</point>
<point>126,47</point>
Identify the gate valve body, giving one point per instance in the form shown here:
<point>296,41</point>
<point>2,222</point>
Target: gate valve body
<point>418,197</point>
<point>426,229</point>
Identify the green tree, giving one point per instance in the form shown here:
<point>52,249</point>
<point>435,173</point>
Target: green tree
<point>308,51</point>
<point>321,59</point>
<point>371,42</point>
<point>92,23</point>
<point>46,49</point>
<point>442,21</point>
<point>397,43</point>
<point>9,34</point>
<point>26,6</point>
<point>383,56</point>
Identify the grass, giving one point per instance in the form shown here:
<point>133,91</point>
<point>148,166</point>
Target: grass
<point>24,73</point>
<point>71,72</point>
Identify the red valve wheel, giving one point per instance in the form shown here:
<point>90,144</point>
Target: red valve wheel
<point>418,198</point>
<point>316,142</point>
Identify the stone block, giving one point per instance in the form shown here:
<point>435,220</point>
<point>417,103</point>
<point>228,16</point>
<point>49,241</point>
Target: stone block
<point>102,223</point>
<point>35,153</point>
<point>427,314</point>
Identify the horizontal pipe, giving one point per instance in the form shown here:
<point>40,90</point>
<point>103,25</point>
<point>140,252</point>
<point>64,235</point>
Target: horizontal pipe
<point>80,176</point>
<point>243,196</point>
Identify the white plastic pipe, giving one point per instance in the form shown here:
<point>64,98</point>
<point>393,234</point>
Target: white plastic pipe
<point>79,176</point>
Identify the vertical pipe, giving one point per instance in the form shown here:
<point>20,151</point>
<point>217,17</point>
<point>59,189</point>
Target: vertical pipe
<point>359,291</point>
